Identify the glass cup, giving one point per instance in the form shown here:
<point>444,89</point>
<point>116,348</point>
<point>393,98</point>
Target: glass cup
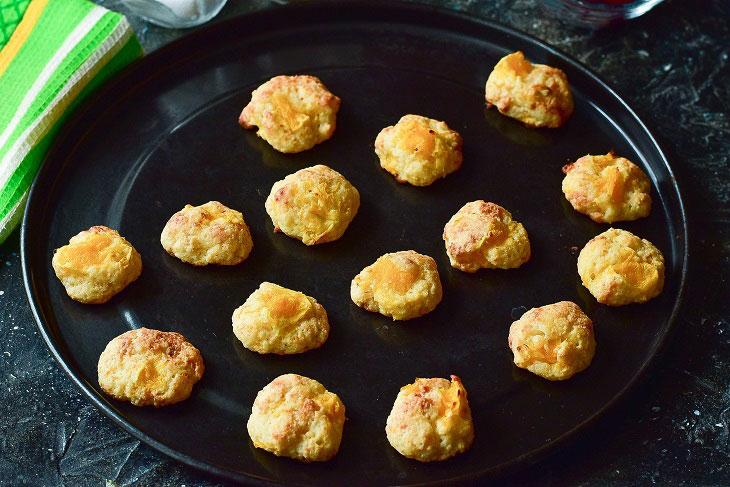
<point>176,14</point>
<point>596,14</point>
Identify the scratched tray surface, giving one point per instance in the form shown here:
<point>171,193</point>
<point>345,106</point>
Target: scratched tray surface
<point>166,134</point>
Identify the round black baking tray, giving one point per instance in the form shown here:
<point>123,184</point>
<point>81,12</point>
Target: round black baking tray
<point>164,133</point>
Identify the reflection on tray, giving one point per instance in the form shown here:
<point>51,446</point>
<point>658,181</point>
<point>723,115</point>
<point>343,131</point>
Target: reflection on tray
<point>515,131</point>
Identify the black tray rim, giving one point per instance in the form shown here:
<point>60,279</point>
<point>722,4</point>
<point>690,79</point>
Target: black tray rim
<point>35,205</point>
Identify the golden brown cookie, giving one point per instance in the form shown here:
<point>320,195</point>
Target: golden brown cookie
<point>554,341</point>
<point>607,188</point>
<point>296,417</point>
<point>535,94</point>
<point>483,235</point>
<point>292,113</point>
<point>314,205</point>
<point>207,234</point>
<point>419,150</point>
<point>620,268</point>
<point>150,367</point>
<point>96,264</point>
<point>401,285</point>
<point>278,320</point>
<point>431,420</point>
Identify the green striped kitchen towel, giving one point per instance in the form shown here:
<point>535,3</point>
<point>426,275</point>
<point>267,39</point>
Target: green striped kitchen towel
<point>54,53</point>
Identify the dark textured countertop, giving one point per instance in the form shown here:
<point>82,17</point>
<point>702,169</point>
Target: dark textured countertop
<point>672,66</point>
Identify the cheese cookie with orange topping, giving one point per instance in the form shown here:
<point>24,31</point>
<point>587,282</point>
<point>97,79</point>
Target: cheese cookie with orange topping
<point>554,341</point>
<point>607,188</point>
<point>314,205</point>
<point>431,420</point>
<point>535,94</point>
<point>401,285</point>
<point>96,264</point>
<point>292,113</point>
<point>296,417</point>
<point>620,268</point>
<point>150,367</point>
<point>207,234</point>
<point>419,150</point>
<point>278,320</point>
<point>483,235</point>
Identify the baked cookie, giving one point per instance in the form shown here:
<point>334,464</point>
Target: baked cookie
<point>401,285</point>
<point>96,264</point>
<point>620,268</point>
<point>296,417</point>
<point>314,205</point>
<point>207,234</point>
<point>607,188</point>
<point>150,367</point>
<point>554,341</point>
<point>483,235</point>
<point>278,320</point>
<point>431,420</point>
<point>535,94</point>
<point>292,113</point>
<point>419,150</point>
